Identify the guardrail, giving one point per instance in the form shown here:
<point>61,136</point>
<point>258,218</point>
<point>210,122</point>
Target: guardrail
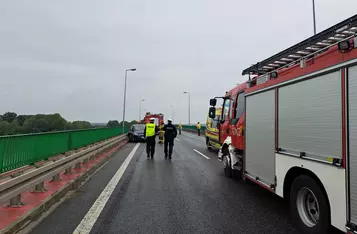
<point>11,189</point>
<point>20,150</point>
<point>193,128</point>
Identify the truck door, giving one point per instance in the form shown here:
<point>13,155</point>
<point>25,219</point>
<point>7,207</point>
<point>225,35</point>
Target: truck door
<point>237,123</point>
<point>225,127</point>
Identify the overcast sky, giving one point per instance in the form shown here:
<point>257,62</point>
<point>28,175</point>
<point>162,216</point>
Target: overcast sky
<point>70,56</point>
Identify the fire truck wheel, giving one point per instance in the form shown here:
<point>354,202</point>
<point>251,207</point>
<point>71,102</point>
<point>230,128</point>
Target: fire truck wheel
<point>209,147</point>
<point>227,166</point>
<point>309,206</point>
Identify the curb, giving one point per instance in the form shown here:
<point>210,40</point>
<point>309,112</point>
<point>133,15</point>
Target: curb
<point>31,215</point>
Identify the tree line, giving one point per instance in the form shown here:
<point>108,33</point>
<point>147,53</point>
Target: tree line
<point>115,123</point>
<point>12,123</point>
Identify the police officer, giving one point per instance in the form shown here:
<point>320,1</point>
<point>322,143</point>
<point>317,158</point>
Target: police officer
<point>150,134</point>
<point>170,135</point>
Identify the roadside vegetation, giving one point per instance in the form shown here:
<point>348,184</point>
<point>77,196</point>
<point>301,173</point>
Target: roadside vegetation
<point>11,123</point>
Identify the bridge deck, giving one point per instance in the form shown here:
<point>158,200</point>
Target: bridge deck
<point>188,194</point>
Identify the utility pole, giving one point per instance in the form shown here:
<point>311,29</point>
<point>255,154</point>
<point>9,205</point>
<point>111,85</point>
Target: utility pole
<point>189,107</point>
<point>173,114</point>
<point>142,100</point>
<point>126,74</point>
<point>313,15</point>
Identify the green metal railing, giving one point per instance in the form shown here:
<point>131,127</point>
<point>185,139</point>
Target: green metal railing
<point>20,150</point>
<point>193,128</point>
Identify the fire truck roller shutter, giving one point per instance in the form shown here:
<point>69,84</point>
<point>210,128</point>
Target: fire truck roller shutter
<point>260,141</point>
<point>352,111</point>
<point>310,118</point>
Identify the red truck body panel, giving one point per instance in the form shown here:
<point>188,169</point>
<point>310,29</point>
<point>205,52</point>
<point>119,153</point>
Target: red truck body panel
<point>159,118</point>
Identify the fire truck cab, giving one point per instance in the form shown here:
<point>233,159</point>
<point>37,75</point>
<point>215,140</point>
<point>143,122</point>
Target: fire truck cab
<point>230,128</point>
<point>292,129</point>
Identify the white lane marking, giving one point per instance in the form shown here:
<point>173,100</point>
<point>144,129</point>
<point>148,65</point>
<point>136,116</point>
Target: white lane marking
<point>177,139</point>
<point>201,154</point>
<point>92,215</point>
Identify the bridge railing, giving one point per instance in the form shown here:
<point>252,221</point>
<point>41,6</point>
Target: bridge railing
<point>193,128</point>
<point>20,150</point>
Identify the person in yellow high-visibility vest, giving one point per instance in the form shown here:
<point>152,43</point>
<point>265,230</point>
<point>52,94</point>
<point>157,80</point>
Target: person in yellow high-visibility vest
<point>180,128</point>
<point>199,128</point>
<point>150,134</point>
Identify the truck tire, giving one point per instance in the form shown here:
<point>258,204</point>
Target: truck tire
<point>228,172</point>
<point>208,145</point>
<point>309,207</point>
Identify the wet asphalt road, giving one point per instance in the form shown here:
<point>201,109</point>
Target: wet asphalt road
<point>188,194</point>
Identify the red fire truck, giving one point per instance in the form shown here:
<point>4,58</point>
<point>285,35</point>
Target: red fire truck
<point>159,118</point>
<point>292,128</point>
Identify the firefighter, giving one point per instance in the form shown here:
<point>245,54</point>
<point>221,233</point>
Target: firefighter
<point>150,134</point>
<point>170,135</point>
<point>180,128</point>
<point>161,132</point>
<point>199,128</point>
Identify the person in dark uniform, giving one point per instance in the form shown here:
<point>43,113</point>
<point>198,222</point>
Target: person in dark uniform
<point>150,134</point>
<point>169,136</point>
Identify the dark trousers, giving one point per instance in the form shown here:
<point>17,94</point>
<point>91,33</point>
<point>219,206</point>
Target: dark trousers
<point>199,132</point>
<point>170,143</point>
<point>150,146</point>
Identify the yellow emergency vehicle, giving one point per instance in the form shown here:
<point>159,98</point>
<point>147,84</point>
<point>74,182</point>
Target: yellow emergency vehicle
<point>212,132</point>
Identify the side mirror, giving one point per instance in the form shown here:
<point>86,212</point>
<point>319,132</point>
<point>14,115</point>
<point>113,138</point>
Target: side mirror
<point>212,112</point>
<point>213,102</point>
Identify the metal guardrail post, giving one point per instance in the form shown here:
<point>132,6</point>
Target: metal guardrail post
<point>56,178</point>
<point>16,201</point>
<point>92,157</point>
<point>68,171</point>
<point>40,187</point>
<point>77,166</point>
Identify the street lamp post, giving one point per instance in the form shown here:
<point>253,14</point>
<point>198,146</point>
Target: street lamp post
<point>313,15</point>
<point>141,100</point>
<point>126,75</point>
<point>189,107</point>
<point>173,114</point>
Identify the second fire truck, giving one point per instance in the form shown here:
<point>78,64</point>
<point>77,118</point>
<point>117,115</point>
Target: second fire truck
<point>292,128</point>
<point>159,118</point>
